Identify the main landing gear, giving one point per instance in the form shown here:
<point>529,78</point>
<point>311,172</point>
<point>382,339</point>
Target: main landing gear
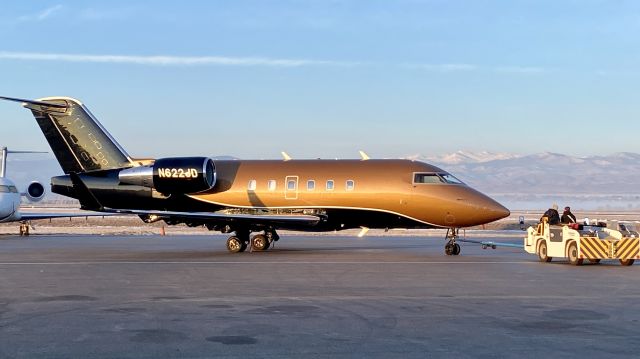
<point>452,248</point>
<point>259,242</point>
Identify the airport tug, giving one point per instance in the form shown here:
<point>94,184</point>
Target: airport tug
<point>577,242</point>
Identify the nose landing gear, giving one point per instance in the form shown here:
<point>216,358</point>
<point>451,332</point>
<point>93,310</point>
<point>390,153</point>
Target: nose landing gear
<point>452,248</point>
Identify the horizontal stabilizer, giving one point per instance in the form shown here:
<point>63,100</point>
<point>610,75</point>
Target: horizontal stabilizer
<point>34,102</point>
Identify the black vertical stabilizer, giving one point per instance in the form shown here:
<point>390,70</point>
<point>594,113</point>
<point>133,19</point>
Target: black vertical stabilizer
<point>77,139</point>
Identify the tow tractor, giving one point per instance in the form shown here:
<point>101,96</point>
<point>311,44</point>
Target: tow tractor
<point>577,242</point>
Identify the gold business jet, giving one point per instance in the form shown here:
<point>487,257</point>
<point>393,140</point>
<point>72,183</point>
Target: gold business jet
<point>248,196</point>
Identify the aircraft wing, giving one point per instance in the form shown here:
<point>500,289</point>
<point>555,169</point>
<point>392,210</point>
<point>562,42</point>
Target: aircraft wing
<point>32,216</point>
<point>292,219</point>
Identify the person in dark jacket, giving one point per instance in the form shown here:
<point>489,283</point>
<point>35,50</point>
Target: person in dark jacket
<point>552,215</point>
<point>567,216</point>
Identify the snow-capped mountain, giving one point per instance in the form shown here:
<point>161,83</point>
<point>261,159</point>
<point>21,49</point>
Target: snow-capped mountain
<point>462,157</point>
<point>546,172</point>
<point>537,180</point>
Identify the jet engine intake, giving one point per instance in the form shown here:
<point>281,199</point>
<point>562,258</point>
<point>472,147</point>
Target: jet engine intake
<point>175,175</point>
<point>35,192</point>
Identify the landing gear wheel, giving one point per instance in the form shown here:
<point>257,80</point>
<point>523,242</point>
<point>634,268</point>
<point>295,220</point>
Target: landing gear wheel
<point>234,245</point>
<point>448,249</point>
<point>627,262</point>
<point>573,255</point>
<point>451,248</point>
<point>594,260</point>
<point>542,252</point>
<point>242,235</point>
<point>259,242</point>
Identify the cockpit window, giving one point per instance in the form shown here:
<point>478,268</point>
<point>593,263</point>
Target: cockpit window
<point>435,178</point>
<point>426,178</point>
<point>449,178</point>
<point>4,189</point>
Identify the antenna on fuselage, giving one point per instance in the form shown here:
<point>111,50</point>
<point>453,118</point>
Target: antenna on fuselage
<point>286,156</point>
<point>364,156</point>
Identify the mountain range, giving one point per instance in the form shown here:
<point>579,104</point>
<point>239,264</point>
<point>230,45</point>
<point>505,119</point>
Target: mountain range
<point>544,173</point>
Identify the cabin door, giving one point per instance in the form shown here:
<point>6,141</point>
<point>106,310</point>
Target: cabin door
<point>291,187</point>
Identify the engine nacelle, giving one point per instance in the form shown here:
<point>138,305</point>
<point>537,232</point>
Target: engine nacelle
<point>35,192</point>
<point>176,175</point>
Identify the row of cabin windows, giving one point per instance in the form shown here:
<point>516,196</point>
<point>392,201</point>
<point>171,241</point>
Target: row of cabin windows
<point>292,184</point>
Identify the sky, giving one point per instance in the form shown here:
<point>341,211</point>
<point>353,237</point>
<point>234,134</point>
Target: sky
<point>326,78</point>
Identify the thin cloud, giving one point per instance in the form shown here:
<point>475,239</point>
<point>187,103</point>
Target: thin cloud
<point>170,60</point>
<point>615,73</point>
<point>445,67</point>
<point>462,67</point>
<point>42,15</point>
<point>520,69</point>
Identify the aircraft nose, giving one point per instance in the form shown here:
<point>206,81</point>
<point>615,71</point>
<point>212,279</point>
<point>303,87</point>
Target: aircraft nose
<point>481,209</point>
<point>496,211</point>
<point>6,207</point>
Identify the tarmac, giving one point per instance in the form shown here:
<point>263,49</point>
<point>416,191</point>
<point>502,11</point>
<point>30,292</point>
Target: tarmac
<point>185,296</point>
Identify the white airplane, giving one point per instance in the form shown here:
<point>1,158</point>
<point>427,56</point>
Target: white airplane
<point>10,199</point>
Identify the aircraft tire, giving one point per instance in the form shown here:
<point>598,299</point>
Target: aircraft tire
<point>448,249</point>
<point>234,245</point>
<point>259,242</point>
<point>627,262</point>
<point>542,252</point>
<point>572,253</point>
<point>456,249</point>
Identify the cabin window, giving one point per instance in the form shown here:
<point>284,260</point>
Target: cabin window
<point>427,178</point>
<point>271,185</point>
<point>330,185</point>
<point>311,185</point>
<point>252,185</point>
<point>350,185</point>
<point>291,185</point>
<point>449,178</point>
<point>4,189</point>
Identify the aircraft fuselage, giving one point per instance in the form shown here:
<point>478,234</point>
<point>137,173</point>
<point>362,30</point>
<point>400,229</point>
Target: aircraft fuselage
<point>349,193</point>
